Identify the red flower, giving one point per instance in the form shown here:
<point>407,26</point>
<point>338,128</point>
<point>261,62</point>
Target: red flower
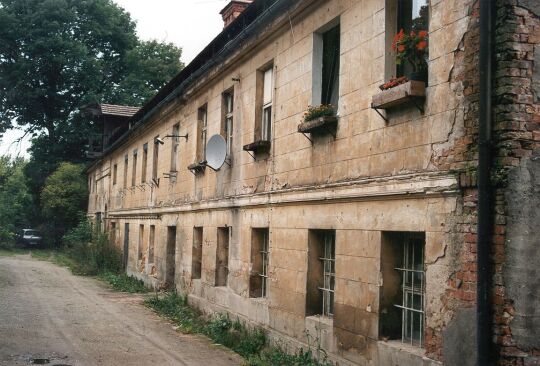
<point>421,45</point>
<point>422,34</point>
<point>398,38</point>
<point>401,48</point>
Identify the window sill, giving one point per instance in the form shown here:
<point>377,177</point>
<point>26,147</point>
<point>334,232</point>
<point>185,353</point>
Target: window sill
<point>404,347</point>
<point>329,322</point>
<point>259,146</point>
<point>409,92</point>
<point>321,125</point>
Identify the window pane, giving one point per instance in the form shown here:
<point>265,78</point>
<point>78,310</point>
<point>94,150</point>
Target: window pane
<point>267,123</point>
<point>330,69</point>
<point>267,94</point>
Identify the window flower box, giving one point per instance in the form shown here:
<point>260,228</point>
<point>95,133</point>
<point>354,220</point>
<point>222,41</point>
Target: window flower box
<point>319,125</point>
<point>259,146</point>
<point>412,91</point>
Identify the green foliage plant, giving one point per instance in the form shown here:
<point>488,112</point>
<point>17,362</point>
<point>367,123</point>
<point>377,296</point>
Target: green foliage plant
<point>314,112</point>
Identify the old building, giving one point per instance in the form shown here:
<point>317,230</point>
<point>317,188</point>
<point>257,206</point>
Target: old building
<point>361,229</point>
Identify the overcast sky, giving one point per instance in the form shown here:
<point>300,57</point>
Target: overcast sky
<point>190,24</point>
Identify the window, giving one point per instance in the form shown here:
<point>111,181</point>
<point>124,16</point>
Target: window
<point>196,254</point>
<point>202,126</point>
<point>403,291</point>
<point>175,146</point>
<point>259,261</point>
<point>321,273</point>
<point>263,128</point>
<point>222,256</point>
<point>326,54</point>
<point>113,233</point>
<point>155,160</point>
<point>115,173</point>
<point>407,15</point>
<point>141,243</point>
<point>227,127</point>
<point>144,163</point>
<point>151,242</point>
<point>125,171</point>
<point>134,168</point>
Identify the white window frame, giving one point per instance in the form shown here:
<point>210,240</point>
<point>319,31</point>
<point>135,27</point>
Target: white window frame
<point>266,116</point>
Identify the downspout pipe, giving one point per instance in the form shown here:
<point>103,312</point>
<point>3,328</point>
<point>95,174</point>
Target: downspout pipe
<point>484,317</point>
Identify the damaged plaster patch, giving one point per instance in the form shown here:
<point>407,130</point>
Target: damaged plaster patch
<point>459,339</point>
<point>522,254</point>
<point>435,247</point>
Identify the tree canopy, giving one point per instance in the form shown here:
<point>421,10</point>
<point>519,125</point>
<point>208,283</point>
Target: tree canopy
<point>64,198</point>
<point>16,206</point>
<point>57,56</point>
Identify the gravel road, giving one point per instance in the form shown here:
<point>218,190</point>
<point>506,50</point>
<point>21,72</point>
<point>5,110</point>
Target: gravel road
<point>49,316</point>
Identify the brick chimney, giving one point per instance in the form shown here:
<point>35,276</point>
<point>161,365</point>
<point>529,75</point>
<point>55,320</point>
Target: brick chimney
<point>233,10</point>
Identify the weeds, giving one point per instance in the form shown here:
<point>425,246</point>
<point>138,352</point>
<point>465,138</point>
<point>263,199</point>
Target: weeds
<point>250,343</point>
<point>123,282</point>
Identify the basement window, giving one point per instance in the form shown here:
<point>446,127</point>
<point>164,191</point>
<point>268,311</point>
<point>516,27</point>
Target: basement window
<point>141,243</point>
<point>258,282</point>
<point>321,273</point>
<point>403,292</point>
<point>222,256</point>
<point>151,242</point>
<point>196,254</point>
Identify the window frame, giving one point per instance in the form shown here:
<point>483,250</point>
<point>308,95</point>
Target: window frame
<point>228,119</point>
<point>175,147</point>
<point>134,168</point>
<point>202,136</point>
<point>144,162</point>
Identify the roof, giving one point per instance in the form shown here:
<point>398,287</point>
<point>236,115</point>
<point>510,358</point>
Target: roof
<point>117,110</point>
<point>250,24</point>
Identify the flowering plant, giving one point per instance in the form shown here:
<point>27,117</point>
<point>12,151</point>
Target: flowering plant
<point>412,48</point>
<point>314,112</point>
<point>394,82</point>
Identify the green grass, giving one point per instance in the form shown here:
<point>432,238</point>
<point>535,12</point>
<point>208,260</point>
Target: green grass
<point>250,343</point>
<point>9,252</point>
<point>123,282</point>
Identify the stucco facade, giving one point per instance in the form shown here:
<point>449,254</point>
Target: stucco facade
<point>372,183</point>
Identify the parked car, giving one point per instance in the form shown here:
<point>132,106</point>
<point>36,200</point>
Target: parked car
<point>29,237</point>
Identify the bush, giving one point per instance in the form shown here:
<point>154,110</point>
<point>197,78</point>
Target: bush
<point>91,250</point>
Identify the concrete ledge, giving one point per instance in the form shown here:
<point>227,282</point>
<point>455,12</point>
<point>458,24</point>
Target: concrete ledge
<point>393,353</point>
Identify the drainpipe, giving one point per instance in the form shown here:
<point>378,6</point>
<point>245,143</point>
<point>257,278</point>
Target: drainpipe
<point>485,212</point>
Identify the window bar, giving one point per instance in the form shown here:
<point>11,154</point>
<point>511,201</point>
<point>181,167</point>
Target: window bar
<point>264,275</point>
<point>328,274</point>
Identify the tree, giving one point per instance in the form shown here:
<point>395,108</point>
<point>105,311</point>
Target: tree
<point>64,199</point>
<point>150,65</point>
<point>16,205</point>
<point>57,56</point>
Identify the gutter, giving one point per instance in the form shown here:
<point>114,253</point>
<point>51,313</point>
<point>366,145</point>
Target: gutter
<point>485,194</point>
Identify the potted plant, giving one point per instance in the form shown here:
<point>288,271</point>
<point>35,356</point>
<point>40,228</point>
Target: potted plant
<point>318,118</point>
<point>412,48</point>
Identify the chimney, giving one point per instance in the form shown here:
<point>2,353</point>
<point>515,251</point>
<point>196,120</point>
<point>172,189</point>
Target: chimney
<point>233,10</point>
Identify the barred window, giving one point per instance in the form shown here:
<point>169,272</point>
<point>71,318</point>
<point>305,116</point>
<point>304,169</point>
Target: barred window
<point>403,292</point>
<point>259,261</point>
<point>321,273</point>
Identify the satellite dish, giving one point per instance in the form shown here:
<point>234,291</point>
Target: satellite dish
<point>216,151</point>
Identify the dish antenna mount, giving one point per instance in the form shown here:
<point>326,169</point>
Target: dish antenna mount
<point>216,152</point>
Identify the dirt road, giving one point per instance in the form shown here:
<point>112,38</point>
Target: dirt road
<point>48,316</point>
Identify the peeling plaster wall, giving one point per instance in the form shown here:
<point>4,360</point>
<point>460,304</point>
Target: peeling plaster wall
<point>522,252</point>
